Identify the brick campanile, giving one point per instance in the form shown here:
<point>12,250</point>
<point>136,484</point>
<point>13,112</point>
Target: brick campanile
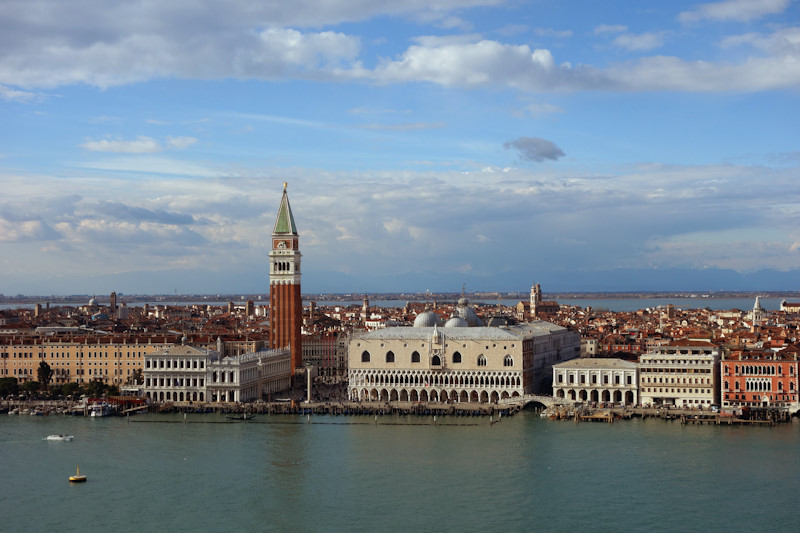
<point>285,303</point>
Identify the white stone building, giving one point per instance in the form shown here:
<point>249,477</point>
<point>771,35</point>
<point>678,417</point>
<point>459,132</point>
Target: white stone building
<point>456,362</point>
<point>177,373</point>
<point>184,373</point>
<point>249,377</point>
<point>597,380</point>
<point>684,374</point>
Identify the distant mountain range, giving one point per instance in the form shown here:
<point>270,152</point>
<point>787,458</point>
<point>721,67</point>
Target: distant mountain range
<point>255,282</point>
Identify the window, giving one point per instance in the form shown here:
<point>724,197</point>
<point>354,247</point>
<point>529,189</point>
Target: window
<point>415,357</point>
<point>365,356</point>
<point>436,361</point>
<point>508,361</point>
<point>481,360</point>
<point>457,357</point>
<point>390,356</point>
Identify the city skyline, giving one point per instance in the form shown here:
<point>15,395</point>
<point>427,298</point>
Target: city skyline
<point>426,145</point>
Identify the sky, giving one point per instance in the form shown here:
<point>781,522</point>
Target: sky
<point>427,145</point>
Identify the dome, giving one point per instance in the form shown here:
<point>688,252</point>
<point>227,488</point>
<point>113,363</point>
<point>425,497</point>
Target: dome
<point>92,302</point>
<point>428,319</point>
<point>468,314</point>
<point>456,322</point>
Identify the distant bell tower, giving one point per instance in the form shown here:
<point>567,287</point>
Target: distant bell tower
<point>285,303</point>
<point>536,299</point>
<point>757,314</point>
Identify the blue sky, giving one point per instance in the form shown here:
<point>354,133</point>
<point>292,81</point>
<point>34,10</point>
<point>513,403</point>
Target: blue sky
<point>582,145</point>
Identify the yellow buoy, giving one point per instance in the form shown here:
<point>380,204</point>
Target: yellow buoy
<point>77,478</point>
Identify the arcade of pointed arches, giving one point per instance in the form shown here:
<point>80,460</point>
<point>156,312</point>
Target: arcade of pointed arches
<point>429,386</point>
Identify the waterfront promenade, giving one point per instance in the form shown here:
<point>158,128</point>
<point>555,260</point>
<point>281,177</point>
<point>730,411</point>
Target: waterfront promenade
<point>570,412</point>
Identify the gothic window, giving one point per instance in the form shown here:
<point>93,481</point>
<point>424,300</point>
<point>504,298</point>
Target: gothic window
<point>415,357</point>
<point>436,361</point>
<point>390,356</point>
<point>457,357</point>
<point>365,356</point>
<point>508,361</point>
<point>481,360</point>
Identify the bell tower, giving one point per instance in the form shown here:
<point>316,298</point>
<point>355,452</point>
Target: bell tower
<point>285,302</point>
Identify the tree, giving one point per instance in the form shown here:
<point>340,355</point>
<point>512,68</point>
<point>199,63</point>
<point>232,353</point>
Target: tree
<point>9,386</point>
<point>30,386</point>
<point>95,388</point>
<point>44,373</point>
<point>137,378</point>
<point>68,389</point>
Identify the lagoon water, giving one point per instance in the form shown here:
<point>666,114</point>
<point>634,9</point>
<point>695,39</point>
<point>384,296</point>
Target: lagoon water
<point>322,473</point>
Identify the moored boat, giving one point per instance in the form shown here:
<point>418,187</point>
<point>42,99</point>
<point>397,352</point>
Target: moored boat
<point>245,416</point>
<point>101,409</point>
<point>59,437</point>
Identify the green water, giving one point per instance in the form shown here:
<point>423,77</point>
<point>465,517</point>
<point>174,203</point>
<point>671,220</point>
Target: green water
<point>281,473</point>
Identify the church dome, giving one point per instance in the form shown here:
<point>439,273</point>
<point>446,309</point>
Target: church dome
<point>428,319</point>
<point>456,322</point>
<point>92,302</point>
<point>467,313</point>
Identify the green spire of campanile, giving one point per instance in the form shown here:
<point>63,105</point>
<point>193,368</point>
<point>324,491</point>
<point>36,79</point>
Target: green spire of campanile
<point>285,221</point>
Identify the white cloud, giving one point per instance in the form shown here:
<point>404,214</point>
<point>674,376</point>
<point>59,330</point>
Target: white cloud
<point>741,10</point>
<point>785,42</point>
<point>404,221</point>
<point>407,126</point>
<point>63,45</point>
<point>432,41</point>
<point>180,142</point>
<point>542,108</point>
<point>148,165</point>
<point>25,230</point>
<point>490,63</point>
<point>141,145</point>
<point>641,42</point>
<point>480,63</point>
<point>550,32</point>
<point>609,28</point>
<point>50,43</point>
<point>15,95</point>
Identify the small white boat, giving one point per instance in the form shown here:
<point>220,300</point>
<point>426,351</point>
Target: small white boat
<point>101,409</point>
<point>59,437</point>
